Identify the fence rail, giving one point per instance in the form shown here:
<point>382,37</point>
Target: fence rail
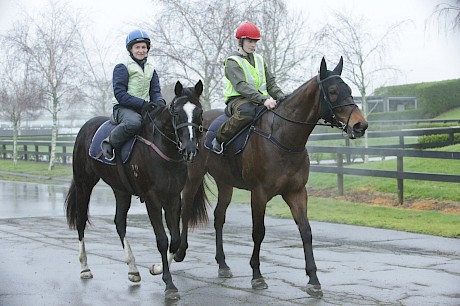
<point>40,151</point>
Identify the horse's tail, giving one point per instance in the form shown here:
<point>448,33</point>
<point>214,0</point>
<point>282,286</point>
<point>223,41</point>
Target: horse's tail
<point>71,207</point>
<point>199,209</point>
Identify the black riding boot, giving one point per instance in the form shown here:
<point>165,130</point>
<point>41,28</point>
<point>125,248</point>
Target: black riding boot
<point>107,149</point>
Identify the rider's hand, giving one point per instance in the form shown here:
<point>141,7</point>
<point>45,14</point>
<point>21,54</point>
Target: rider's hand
<point>270,103</point>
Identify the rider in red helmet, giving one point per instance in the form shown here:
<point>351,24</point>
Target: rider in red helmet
<point>248,84</point>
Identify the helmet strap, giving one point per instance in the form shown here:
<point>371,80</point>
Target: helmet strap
<point>241,51</point>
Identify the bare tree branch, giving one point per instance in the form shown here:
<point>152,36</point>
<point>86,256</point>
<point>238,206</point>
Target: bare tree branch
<point>50,41</point>
<point>191,40</point>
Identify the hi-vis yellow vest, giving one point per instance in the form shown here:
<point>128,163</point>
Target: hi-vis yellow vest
<point>255,76</point>
<point>138,79</point>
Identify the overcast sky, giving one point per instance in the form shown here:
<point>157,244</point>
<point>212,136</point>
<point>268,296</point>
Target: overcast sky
<point>423,55</point>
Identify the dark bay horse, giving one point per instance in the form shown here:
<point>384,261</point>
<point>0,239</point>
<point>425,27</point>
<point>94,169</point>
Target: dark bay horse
<point>156,172</point>
<point>274,162</point>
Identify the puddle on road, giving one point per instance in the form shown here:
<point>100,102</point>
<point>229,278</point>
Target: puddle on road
<point>22,199</point>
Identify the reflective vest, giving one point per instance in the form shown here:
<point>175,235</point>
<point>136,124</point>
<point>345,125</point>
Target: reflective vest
<point>255,76</point>
<point>138,79</point>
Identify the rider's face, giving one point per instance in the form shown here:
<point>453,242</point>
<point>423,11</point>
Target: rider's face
<point>249,45</point>
<point>139,50</point>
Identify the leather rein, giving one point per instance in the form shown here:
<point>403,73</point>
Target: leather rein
<point>323,99</point>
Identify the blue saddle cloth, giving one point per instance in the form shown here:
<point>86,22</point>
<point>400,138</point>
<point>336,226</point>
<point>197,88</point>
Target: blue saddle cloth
<point>235,145</point>
<point>103,132</point>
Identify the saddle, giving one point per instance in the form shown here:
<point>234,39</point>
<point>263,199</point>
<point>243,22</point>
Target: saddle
<point>103,132</point>
<point>237,143</point>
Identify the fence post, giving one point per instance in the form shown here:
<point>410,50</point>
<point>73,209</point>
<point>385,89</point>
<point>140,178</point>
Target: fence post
<point>36,153</point>
<point>340,175</point>
<point>25,152</point>
<point>64,155</point>
<point>400,170</point>
<point>347,144</point>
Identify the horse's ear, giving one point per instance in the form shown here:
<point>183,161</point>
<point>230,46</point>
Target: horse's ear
<point>199,88</point>
<point>338,68</point>
<point>323,69</point>
<point>178,89</point>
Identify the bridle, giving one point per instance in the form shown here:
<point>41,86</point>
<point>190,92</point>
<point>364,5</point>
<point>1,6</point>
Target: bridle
<point>324,102</point>
<point>327,113</point>
<point>176,127</point>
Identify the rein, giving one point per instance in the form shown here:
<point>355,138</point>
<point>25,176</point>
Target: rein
<point>323,98</point>
<point>156,149</point>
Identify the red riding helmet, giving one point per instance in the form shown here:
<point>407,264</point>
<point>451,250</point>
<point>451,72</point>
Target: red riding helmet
<point>247,30</point>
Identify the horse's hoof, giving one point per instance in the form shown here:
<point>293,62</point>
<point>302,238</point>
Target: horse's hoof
<point>225,273</point>
<point>135,277</point>
<point>258,284</point>
<point>156,269</point>
<point>172,294</point>
<point>314,290</point>
<point>86,274</point>
<point>179,257</point>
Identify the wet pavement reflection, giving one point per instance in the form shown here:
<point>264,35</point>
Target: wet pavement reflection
<point>21,199</point>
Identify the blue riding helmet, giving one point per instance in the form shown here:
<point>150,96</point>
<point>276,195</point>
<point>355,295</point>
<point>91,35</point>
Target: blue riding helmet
<point>135,37</point>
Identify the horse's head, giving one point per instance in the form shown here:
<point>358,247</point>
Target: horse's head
<point>337,105</point>
<point>187,118</point>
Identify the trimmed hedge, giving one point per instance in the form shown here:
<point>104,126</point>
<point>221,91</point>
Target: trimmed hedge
<point>433,98</point>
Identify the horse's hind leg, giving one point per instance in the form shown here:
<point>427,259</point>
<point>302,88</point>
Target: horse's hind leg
<point>82,197</point>
<point>123,203</point>
<point>223,200</point>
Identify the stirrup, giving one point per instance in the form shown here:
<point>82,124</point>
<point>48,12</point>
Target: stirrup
<point>217,147</point>
<point>107,150</point>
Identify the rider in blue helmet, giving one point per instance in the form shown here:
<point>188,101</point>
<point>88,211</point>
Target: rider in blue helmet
<point>135,37</point>
<point>136,89</point>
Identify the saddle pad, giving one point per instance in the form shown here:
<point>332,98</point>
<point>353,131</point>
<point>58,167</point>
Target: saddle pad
<point>103,132</point>
<point>235,145</point>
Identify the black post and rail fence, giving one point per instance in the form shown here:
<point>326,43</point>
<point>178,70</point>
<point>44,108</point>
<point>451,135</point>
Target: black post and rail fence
<point>344,156</point>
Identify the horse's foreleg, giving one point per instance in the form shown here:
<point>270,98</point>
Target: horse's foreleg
<point>224,198</point>
<point>258,204</point>
<point>298,204</point>
<point>123,203</point>
<point>172,217</point>
<point>85,272</point>
<point>154,213</point>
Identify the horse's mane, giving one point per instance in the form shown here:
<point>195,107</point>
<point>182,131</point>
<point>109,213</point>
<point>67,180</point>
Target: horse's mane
<point>295,92</point>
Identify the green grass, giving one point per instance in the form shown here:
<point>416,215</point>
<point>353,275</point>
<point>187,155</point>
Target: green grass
<point>336,211</point>
<point>413,189</point>
<point>452,114</point>
<point>60,171</point>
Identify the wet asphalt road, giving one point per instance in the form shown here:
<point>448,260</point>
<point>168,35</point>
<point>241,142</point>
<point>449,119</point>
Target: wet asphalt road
<point>356,265</point>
